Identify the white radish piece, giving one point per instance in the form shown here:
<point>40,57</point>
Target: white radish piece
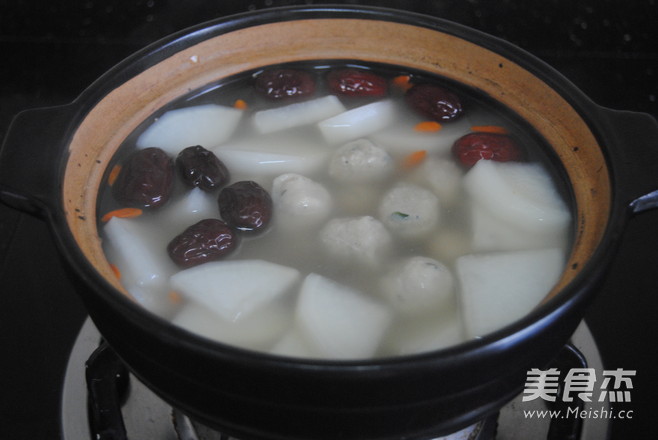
<point>139,254</point>
<point>235,289</point>
<point>272,155</point>
<point>297,114</point>
<point>499,288</point>
<point>419,336</point>
<point>490,233</point>
<point>206,125</point>
<point>193,207</point>
<point>340,322</point>
<point>260,163</point>
<point>259,331</point>
<point>293,344</point>
<point>358,122</point>
<point>520,193</point>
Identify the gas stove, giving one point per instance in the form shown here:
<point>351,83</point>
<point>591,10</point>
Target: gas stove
<point>102,400</point>
<point>53,50</point>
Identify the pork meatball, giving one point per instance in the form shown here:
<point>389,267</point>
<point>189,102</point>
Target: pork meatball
<point>299,201</point>
<point>409,211</point>
<point>362,240</point>
<point>360,161</point>
<point>418,285</point>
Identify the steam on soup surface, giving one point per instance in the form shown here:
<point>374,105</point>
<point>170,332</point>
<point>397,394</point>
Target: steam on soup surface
<point>336,211</point>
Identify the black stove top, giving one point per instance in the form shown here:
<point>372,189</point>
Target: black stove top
<point>53,50</point>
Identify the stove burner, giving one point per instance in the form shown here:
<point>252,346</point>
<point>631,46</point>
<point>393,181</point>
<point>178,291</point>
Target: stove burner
<point>120,407</point>
<point>188,429</point>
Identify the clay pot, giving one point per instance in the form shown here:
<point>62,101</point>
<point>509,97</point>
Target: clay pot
<point>54,160</point>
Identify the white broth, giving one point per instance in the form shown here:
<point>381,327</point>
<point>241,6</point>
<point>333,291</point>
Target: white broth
<point>341,219</point>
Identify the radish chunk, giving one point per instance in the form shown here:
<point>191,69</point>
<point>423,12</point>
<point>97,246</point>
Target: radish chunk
<point>297,114</point>
<point>299,201</point>
<point>418,285</point>
<point>260,163</point>
<point>272,155</point>
<point>439,331</point>
<point>361,240</point>
<point>499,288</point>
<point>490,233</point>
<point>409,211</point>
<point>358,122</point>
<point>135,248</point>
<point>521,195</point>
<point>360,161</point>
<point>206,125</point>
<point>235,289</point>
<point>193,207</point>
<point>257,332</point>
<point>293,344</point>
<point>339,322</point>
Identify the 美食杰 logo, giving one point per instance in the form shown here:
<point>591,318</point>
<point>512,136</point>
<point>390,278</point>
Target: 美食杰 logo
<point>578,386</point>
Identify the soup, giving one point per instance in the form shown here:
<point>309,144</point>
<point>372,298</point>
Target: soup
<point>336,211</point>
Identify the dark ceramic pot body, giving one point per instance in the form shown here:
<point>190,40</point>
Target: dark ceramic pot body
<point>53,162</point>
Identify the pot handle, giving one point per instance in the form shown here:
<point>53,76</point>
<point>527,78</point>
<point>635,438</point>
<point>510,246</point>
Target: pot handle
<point>636,159</point>
<point>30,159</point>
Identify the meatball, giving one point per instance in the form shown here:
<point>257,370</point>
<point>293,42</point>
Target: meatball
<point>409,210</point>
<point>363,240</point>
<point>418,285</point>
<point>360,161</point>
<point>299,201</point>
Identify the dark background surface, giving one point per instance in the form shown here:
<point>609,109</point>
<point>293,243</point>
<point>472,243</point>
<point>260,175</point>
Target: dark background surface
<point>51,51</point>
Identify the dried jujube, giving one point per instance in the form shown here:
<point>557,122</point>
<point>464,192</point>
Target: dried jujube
<point>199,167</point>
<point>285,83</point>
<point>146,179</point>
<point>206,240</point>
<point>434,102</point>
<point>471,148</point>
<point>245,205</point>
<point>356,82</point>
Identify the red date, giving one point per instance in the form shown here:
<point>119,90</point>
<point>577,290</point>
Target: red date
<point>285,83</point>
<point>245,205</point>
<point>356,82</point>
<point>471,148</point>
<point>207,240</point>
<point>434,102</point>
<point>146,179</point>
<point>200,168</point>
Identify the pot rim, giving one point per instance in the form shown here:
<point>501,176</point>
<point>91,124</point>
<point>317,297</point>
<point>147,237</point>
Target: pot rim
<point>577,291</point>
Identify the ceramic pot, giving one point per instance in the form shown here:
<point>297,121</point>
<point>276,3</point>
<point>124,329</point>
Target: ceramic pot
<point>53,162</point>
